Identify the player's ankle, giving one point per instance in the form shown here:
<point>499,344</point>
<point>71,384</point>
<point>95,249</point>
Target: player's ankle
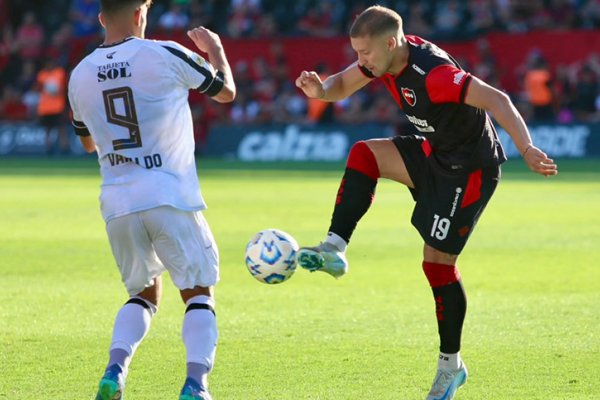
<point>336,241</point>
<point>449,360</point>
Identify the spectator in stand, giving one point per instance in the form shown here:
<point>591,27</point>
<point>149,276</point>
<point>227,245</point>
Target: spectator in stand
<point>59,45</point>
<point>12,107</point>
<point>279,64</point>
<point>590,14</point>
<point>320,111</point>
<point>482,17</point>
<point>176,19</point>
<point>587,91</point>
<point>84,16</point>
<point>593,62</point>
<point>563,14</point>
<point>448,19</point>
<point>353,109</point>
<point>565,94</point>
<point>243,17</point>
<point>539,90</point>
<point>486,65</point>
<point>25,84</point>
<point>30,37</point>
<point>264,85</point>
<point>4,12</point>
<point>515,15</point>
<point>243,80</point>
<point>52,83</point>
<point>319,21</point>
<point>201,13</point>
<point>266,26</point>
<point>268,18</point>
<point>417,22</point>
<point>53,14</point>
<point>385,109</point>
<point>245,110</point>
<point>10,62</point>
<point>288,106</point>
<point>539,16</point>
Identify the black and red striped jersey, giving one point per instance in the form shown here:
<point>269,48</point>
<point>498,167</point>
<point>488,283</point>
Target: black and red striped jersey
<point>431,91</point>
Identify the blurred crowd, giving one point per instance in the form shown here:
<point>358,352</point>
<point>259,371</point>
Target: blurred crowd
<point>36,44</point>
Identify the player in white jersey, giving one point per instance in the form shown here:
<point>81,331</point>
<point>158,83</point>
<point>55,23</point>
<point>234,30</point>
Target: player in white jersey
<point>129,101</point>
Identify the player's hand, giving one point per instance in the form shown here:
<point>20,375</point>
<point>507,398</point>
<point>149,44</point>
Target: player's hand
<point>205,39</point>
<point>538,161</point>
<point>311,84</point>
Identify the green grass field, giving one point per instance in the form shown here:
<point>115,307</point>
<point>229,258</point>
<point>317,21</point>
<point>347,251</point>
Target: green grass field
<point>531,270</point>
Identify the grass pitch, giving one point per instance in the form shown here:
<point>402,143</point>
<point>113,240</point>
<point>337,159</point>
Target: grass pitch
<point>530,269</point>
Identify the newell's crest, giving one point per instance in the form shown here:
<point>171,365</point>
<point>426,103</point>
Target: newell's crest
<point>409,96</point>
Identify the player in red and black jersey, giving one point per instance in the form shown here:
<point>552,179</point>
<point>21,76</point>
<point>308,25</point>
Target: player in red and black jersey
<point>451,168</point>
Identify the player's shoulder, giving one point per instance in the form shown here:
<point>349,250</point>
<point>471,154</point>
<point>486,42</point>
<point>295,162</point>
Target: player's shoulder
<point>426,54</point>
<point>79,69</point>
<point>177,53</point>
<point>174,52</point>
<point>167,47</point>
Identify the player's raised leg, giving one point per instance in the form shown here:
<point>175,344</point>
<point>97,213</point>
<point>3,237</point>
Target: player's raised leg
<point>199,335</point>
<point>131,325</point>
<point>451,306</point>
<point>367,162</point>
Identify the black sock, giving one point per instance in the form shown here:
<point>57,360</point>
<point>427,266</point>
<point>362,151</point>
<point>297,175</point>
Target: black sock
<point>354,198</point>
<point>451,307</point>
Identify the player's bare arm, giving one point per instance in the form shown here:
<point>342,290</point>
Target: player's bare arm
<point>88,143</point>
<point>210,43</point>
<point>482,95</point>
<point>336,87</point>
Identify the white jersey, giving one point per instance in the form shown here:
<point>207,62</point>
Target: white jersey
<point>132,97</point>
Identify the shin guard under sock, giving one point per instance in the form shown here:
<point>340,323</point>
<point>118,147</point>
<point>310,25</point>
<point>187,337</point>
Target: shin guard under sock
<point>450,303</point>
<point>356,191</point>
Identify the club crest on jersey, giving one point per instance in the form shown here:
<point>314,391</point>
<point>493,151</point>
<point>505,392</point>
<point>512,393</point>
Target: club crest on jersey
<point>409,96</point>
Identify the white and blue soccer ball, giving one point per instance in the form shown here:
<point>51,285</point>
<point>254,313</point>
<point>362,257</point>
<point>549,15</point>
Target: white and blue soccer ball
<point>271,256</point>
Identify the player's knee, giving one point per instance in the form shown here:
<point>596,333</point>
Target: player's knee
<point>440,274</point>
<point>145,303</point>
<point>362,159</point>
<point>188,294</point>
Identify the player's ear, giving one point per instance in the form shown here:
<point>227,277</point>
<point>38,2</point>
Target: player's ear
<point>392,42</point>
<point>101,19</point>
<point>138,16</point>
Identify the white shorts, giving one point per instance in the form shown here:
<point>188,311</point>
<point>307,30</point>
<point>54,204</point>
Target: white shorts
<point>147,243</point>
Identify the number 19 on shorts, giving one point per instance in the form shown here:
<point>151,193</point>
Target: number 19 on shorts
<point>440,227</point>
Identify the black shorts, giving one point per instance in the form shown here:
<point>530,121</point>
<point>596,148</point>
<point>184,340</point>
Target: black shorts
<point>448,204</point>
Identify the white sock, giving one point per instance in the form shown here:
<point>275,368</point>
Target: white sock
<point>199,372</point>
<point>121,357</point>
<point>449,361</point>
<point>199,332</point>
<point>131,325</point>
<point>337,241</point>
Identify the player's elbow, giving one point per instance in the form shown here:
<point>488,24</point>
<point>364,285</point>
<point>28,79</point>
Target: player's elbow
<point>226,95</point>
<point>231,92</point>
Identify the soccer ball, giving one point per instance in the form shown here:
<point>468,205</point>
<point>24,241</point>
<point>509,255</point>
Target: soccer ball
<point>271,256</point>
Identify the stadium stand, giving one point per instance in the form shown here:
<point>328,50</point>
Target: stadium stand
<point>504,42</point>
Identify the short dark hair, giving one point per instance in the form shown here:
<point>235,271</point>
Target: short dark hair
<point>375,21</point>
<point>114,6</point>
